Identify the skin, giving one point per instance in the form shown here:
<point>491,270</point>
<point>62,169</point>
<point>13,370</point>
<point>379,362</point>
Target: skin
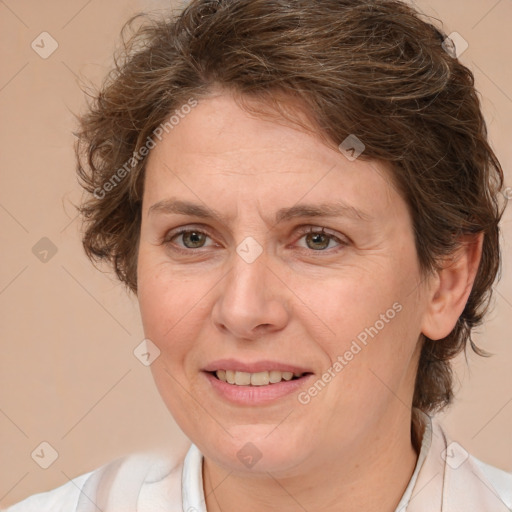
<point>349,448</point>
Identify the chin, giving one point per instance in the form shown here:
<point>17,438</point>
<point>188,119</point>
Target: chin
<point>254,449</point>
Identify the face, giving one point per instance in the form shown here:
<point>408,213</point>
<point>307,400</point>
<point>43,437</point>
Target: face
<point>253,280</point>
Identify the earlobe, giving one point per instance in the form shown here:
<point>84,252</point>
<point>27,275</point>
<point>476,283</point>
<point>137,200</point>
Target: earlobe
<point>451,287</point>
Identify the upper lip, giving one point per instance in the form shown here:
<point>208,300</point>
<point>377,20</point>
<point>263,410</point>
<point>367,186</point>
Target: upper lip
<point>254,367</point>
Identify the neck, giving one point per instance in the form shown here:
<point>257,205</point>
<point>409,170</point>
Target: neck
<point>371,476</point>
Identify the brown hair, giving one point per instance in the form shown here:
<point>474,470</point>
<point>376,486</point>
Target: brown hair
<point>372,68</point>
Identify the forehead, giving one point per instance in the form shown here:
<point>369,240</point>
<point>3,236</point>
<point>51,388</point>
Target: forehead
<point>219,148</point>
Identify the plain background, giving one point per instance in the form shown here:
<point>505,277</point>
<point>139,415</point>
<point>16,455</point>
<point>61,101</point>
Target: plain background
<point>68,375</point>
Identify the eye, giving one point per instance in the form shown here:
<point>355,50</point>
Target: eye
<point>318,240</point>
<point>191,238</point>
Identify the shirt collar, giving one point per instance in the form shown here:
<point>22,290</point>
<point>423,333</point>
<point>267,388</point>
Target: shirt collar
<point>192,481</point>
<point>425,422</point>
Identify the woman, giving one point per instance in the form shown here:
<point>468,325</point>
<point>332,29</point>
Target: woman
<point>303,198</point>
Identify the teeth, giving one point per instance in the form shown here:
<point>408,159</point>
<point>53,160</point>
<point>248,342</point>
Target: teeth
<point>254,379</point>
<point>242,378</point>
<point>259,379</point>
<point>230,376</point>
<point>275,376</point>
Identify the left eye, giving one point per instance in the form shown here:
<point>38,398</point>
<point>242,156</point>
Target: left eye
<point>316,240</point>
<point>320,239</point>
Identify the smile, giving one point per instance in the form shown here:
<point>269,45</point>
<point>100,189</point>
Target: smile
<point>239,378</point>
<point>254,389</point>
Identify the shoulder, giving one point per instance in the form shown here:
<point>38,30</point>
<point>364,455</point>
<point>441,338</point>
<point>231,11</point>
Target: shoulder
<point>500,480</point>
<point>119,482</point>
<point>63,498</point>
<point>468,481</point>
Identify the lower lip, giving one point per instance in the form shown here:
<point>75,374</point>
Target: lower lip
<point>256,395</point>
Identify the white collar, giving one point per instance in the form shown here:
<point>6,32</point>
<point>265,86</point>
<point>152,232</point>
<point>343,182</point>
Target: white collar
<point>426,443</point>
<point>192,481</point>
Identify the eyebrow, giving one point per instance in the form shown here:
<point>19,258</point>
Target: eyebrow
<point>337,209</point>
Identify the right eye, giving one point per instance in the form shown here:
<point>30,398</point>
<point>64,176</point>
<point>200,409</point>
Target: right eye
<point>191,238</point>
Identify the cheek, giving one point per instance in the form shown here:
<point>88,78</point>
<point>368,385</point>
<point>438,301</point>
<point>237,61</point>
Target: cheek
<point>173,310</point>
<point>347,305</point>
<point>370,319</point>
<point>170,317</point>
<point>159,307</point>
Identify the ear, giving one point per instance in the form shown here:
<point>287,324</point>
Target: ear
<point>450,288</point>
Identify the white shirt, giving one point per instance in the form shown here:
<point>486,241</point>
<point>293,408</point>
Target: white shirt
<point>446,479</point>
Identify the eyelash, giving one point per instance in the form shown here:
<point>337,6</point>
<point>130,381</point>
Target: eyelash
<point>302,231</point>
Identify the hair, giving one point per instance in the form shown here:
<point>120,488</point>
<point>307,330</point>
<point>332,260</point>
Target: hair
<point>370,68</point>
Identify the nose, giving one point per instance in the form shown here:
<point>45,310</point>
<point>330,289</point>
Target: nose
<point>252,301</point>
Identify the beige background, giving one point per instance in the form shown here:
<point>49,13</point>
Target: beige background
<point>68,375</point>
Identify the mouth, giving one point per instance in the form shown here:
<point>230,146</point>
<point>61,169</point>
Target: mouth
<point>255,383</point>
<point>256,389</point>
<point>264,378</point>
